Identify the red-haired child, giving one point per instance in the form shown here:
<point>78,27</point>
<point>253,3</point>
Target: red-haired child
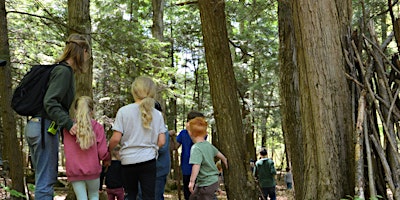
<point>204,175</point>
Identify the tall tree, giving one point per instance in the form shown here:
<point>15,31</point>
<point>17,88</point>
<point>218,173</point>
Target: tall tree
<point>326,122</point>
<point>79,22</point>
<point>12,149</point>
<point>290,96</point>
<point>158,22</point>
<point>225,98</point>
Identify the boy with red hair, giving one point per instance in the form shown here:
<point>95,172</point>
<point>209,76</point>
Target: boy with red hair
<point>204,170</point>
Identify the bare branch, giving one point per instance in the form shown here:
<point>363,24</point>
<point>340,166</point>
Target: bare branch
<point>186,3</point>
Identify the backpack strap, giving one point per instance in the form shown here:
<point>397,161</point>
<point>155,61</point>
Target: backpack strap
<point>42,125</point>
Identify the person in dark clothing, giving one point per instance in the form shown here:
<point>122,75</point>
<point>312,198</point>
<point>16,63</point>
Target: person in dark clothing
<point>264,171</point>
<point>113,177</point>
<point>184,140</point>
<point>57,102</point>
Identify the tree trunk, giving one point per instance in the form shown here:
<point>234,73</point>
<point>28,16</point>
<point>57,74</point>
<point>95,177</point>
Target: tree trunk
<point>325,130</point>
<point>225,99</point>
<point>79,22</point>
<point>172,112</point>
<point>290,95</point>
<point>12,149</point>
<point>158,23</point>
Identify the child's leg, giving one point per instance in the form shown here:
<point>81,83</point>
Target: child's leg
<point>80,189</point>
<point>130,177</point>
<point>160,186</point>
<point>120,194</point>
<point>110,194</point>
<point>147,178</point>
<point>93,188</point>
<point>186,192</point>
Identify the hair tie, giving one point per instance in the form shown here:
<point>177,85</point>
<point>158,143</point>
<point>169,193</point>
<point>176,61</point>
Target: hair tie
<point>67,42</point>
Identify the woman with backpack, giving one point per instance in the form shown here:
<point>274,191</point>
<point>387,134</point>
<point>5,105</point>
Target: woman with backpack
<point>55,114</point>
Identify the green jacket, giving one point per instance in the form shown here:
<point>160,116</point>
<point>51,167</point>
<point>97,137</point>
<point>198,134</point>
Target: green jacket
<point>264,171</point>
<point>60,95</point>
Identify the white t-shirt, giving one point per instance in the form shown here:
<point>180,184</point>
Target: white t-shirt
<point>138,144</point>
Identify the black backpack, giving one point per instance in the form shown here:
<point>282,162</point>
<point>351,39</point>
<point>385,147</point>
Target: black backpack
<point>27,99</point>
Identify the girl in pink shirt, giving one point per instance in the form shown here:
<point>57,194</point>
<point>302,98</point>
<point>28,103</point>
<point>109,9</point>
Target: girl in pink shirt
<point>84,151</point>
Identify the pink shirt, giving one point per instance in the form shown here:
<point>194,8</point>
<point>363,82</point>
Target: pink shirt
<point>85,164</point>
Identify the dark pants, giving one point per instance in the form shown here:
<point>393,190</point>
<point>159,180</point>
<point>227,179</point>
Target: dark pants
<point>160,188</point>
<point>186,192</point>
<point>141,173</point>
<point>269,191</point>
<point>205,192</point>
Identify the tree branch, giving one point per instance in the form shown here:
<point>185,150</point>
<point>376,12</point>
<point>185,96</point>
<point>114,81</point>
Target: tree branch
<point>186,3</point>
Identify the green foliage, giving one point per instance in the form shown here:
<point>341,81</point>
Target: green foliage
<point>191,88</point>
<point>254,34</point>
<point>37,29</point>
<point>123,48</point>
<point>12,192</point>
<point>31,187</point>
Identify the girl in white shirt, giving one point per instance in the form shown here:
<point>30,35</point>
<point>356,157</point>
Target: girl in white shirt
<point>139,128</point>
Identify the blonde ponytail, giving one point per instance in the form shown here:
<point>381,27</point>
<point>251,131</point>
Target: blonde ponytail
<point>144,90</point>
<point>85,136</point>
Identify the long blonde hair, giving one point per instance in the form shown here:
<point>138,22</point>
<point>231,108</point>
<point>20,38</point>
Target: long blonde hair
<point>85,136</point>
<point>75,47</point>
<point>144,90</point>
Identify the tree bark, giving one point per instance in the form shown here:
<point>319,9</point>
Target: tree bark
<point>290,95</point>
<point>79,22</point>
<point>158,22</point>
<point>325,130</point>
<point>225,99</point>
<point>12,148</point>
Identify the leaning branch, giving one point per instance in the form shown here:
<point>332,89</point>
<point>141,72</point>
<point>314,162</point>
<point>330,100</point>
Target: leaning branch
<point>186,3</point>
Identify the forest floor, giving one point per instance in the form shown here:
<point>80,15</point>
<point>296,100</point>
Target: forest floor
<point>61,191</point>
<point>282,193</point>
<point>61,194</point>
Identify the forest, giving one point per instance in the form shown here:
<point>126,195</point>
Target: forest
<point>314,82</point>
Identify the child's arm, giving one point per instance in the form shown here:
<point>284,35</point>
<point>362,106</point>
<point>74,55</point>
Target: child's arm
<point>173,145</point>
<point>177,140</point>
<point>161,140</point>
<point>193,176</point>
<point>223,158</point>
<point>114,140</point>
<point>101,142</point>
